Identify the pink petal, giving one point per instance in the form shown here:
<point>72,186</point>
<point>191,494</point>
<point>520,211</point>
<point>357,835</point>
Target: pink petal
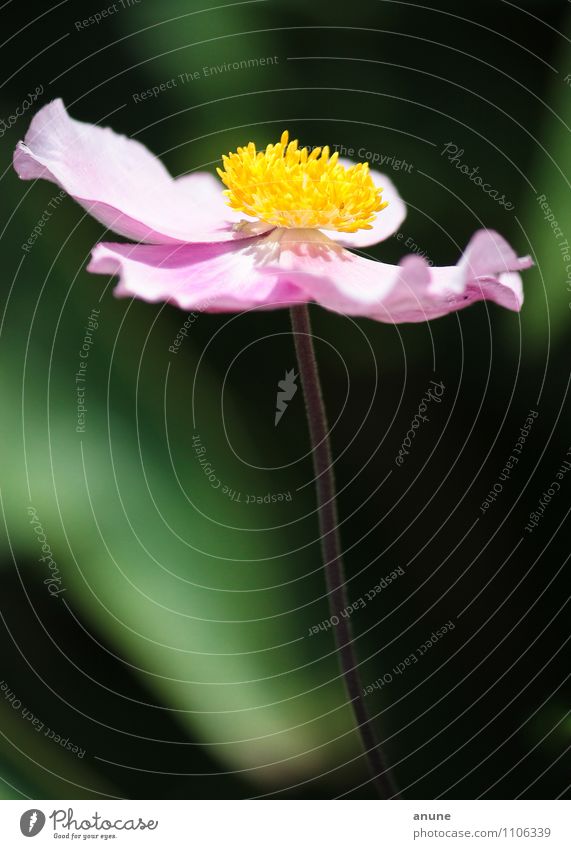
<point>278,270</point>
<point>332,276</point>
<point>410,292</point>
<point>387,221</point>
<point>122,184</point>
<point>228,277</point>
<point>295,266</point>
<point>488,270</point>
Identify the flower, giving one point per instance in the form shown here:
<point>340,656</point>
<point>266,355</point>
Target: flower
<point>276,236</point>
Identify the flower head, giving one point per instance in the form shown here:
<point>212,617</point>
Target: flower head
<point>275,237</point>
<point>294,188</point>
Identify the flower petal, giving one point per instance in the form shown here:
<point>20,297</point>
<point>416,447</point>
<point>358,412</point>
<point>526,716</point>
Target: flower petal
<point>281,269</point>
<point>410,292</point>
<point>208,278</point>
<point>122,184</point>
<point>332,276</point>
<point>488,270</point>
<point>386,222</point>
<point>296,266</point>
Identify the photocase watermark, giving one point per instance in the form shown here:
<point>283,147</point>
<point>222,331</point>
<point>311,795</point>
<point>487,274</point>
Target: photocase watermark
<point>206,72</point>
<point>383,160</point>
<point>286,390</point>
<point>510,463</point>
<point>559,235</point>
<point>53,581</point>
<point>37,724</point>
<point>549,216</point>
<point>204,306</point>
<point>233,494</point>
<point>183,332</point>
<point>361,603</point>
<point>434,393</point>
<point>80,375</point>
<point>190,319</point>
<point>373,157</point>
<point>20,111</point>
<point>105,13</point>
<point>413,247</point>
<point>454,155</point>
<point>38,229</point>
<point>103,828</point>
<point>536,515</point>
<point>410,660</point>
<point>32,822</point>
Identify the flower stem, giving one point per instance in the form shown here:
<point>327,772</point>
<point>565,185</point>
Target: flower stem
<point>331,548</point>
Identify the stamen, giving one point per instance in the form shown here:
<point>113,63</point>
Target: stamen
<point>294,188</point>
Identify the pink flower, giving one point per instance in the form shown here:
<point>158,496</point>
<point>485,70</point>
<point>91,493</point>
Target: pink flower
<point>278,236</point>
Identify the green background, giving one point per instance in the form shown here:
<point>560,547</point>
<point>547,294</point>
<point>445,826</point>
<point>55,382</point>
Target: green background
<point>179,658</point>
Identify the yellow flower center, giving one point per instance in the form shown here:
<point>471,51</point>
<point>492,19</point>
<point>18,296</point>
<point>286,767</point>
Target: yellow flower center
<point>289,187</point>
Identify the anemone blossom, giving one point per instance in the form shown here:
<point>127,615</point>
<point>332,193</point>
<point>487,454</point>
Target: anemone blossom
<point>276,237</point>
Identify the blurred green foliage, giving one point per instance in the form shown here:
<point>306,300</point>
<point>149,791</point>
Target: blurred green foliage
<point>178,655</point>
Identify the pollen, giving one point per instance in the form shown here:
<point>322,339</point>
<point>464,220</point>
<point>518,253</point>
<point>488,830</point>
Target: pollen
<point>293,187</point>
